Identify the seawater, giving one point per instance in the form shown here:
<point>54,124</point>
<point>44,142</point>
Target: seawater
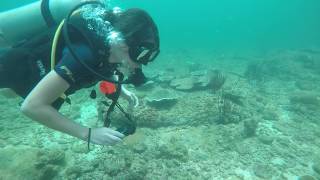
<point>234,94</point>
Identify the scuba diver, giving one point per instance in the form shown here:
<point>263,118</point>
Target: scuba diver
<point>92,44</point>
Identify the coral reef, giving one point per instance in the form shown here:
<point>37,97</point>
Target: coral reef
<point>250,127</point>
<point>217,80</point>
<point>184,84</point>
<point>196,123</point>
<point>162,99</point>
<point>229,109</point>
<point>307,98</point>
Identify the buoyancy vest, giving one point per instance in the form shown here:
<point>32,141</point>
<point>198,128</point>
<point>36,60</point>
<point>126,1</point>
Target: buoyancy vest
<point>39,48</point>
<point>98,45</point>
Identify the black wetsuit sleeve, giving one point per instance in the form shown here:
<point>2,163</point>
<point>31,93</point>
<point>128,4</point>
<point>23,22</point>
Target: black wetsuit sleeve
<point>72,70</point>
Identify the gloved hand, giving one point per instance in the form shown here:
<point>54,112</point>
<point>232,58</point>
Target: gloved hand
<point>105,136</point>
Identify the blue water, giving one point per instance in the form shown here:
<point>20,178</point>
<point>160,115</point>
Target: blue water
<point>231,24</point>
<point>257,118</point>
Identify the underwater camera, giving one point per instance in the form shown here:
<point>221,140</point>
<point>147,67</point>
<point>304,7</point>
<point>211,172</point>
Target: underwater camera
<point>112,92</point>
<point>127,126</point>
<point>127,129</point>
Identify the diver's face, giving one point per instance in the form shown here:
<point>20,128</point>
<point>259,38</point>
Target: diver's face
<point>119,53</point>
<point>128,66</point>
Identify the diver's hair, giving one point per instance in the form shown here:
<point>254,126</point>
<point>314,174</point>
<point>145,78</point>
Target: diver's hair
<point>135,26</point>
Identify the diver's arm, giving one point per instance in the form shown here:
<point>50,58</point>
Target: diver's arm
<point>38,107</point>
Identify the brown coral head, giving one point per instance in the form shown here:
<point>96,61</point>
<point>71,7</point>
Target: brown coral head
<point>217,80</point>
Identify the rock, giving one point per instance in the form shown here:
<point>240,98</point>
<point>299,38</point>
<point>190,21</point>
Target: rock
<point>199,80</point>
<point>250,127</point>
<point>203,82</point>
<point>316,166</point>
<point>173,151</point>
<point>162,99</point>
<point>278,162</point>
<point>199,73</point>
<point>270,115</point>
<point>53,157</point>
<point>79,148</point>
<point>107,177</point>
<point>163,103</point>
<point>2,143</point>
<point>48,172</point>
<point>73,172</point>
<point>183,84</point>
<point>306,177</point>
<point>153,76</point>
<point>265,139</point>
<point>216,79</point>
<point>243,148</point>
<point>305,98</point>
<point>306,60</point>
<point>116,167</point>
<point>263,171</point>
<point>147,86</point>
<point>236,99</point>
<point>140,148</point>
<point>137,169</point>
<point>165,78</point>
<point>305,85</point>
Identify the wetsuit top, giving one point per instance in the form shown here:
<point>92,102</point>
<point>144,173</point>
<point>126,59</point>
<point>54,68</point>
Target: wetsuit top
<point>74,72</point>
<point>22,68</point>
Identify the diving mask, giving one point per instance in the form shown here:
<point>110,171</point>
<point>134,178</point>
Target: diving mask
<point>143,53</point>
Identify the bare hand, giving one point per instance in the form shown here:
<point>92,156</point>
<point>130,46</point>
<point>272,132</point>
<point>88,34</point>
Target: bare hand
<point>105,136</point>
<point>130,97</point>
